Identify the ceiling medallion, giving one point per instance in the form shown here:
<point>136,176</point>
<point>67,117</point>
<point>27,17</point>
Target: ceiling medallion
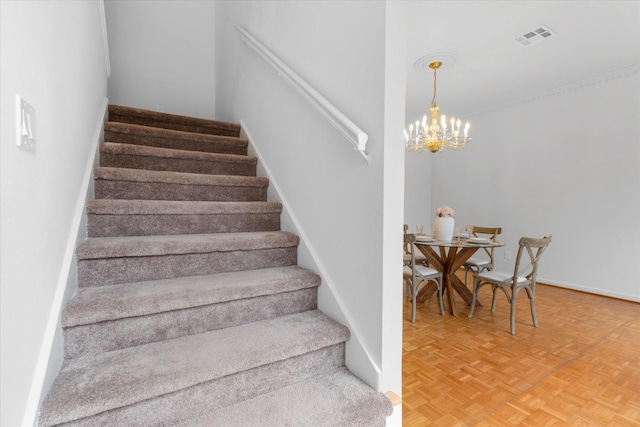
<point>448,60</point>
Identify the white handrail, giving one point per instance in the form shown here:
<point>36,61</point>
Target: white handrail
<point>347,128</point>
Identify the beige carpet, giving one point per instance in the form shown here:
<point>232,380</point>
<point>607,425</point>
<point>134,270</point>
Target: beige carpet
<point>191,309</point>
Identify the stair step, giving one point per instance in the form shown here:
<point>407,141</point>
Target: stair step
<point>132,156</point>
<point>191,308</point>
<point>151,217</point>
<point>105,318</point>
<point>113,260</point>
<point>172,408</point>
<point>122,183</point>
<point>91,385</point>
<point>168,138</point>
<point>140,116</point>
<point>339,399</point>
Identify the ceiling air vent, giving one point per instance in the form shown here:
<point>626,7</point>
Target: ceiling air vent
<point>541,33</point>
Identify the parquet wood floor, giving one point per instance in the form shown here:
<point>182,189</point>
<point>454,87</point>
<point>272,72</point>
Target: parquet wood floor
<point>581,367</point>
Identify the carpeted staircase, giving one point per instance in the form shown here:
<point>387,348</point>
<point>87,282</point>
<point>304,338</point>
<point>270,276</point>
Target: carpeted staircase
<point>191,310</point>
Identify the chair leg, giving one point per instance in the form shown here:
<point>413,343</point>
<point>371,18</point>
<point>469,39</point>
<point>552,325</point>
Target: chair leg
<point>494,288</point>
<point>440,296</point>
<point>413,302</point>
<point>475,297</point>
<point>512,318</point>
<point>531,293</point>
<point>474,270</point>
<point>407,287</point>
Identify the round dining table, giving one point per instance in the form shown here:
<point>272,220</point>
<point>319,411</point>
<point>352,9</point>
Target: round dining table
<point>450,256</point>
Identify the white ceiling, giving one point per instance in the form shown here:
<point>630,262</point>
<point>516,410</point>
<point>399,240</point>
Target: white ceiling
<point>485,67</point>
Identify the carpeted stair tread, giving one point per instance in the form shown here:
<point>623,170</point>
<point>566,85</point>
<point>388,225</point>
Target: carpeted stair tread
<point>173,408</point>
<point>140,116</point>
<point>142,175</point>
<point>113,154</point>
<point>169,207</point>
<point>151,311</point>
<point>110,335</point>
<point>146,151</point>
<point>140,218</point>
<point>146,246</point>
<point>94,384</point>
<point>336,398</point>
<point>129,183</point>
<point>104,303</point>
<point>169,138</point>
<point>111,217</point>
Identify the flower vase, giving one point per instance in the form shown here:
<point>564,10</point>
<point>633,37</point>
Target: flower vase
<point>444,226</point>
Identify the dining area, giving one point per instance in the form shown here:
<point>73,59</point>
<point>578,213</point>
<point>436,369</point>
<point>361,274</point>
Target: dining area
<point>535,167</point>
<point>434,261</point>
<point>580,367</point>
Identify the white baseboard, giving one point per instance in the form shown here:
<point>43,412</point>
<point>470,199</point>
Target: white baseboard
<point>44,362</point>
<point>596,291</point>
<point>395,419</point>
<point>358,358</point>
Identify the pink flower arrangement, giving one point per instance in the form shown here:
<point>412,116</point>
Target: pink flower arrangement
<point>445,211</point>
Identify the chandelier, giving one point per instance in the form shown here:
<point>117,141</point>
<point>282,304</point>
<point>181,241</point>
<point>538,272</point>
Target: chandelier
<point>439,133</point>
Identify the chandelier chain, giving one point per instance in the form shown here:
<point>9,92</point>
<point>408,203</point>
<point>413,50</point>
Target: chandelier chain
<point>433,100</point>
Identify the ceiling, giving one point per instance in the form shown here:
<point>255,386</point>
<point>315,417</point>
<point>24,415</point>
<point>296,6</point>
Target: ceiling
<point>484,67</point>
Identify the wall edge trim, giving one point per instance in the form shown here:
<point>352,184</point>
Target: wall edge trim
<point>35,391</point>
<point>356,335</point>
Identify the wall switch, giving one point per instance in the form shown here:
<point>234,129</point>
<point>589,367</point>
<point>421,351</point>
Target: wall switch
<point>507,255</point>
<point>25,125</point>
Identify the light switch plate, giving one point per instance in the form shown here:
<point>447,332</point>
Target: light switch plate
<point>25,125</point>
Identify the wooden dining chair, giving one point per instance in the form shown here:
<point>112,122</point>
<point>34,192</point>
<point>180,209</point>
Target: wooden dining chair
<point>477,264</point>
<point>420,258</point>
<point>415,276</point>
<point>523,277</point>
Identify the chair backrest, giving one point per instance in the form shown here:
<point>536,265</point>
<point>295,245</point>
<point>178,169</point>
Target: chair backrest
<point>533,248</point>
<point>407,246</point>
<point>490,233</point>
<point>409,269</point>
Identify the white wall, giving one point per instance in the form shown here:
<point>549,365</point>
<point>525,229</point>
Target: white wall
<point>566,163</point>
<point>332,196</point>
<point>417,189</point>
<point>162,55</point>
<point>52,54</point>
<point>392,296</point>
